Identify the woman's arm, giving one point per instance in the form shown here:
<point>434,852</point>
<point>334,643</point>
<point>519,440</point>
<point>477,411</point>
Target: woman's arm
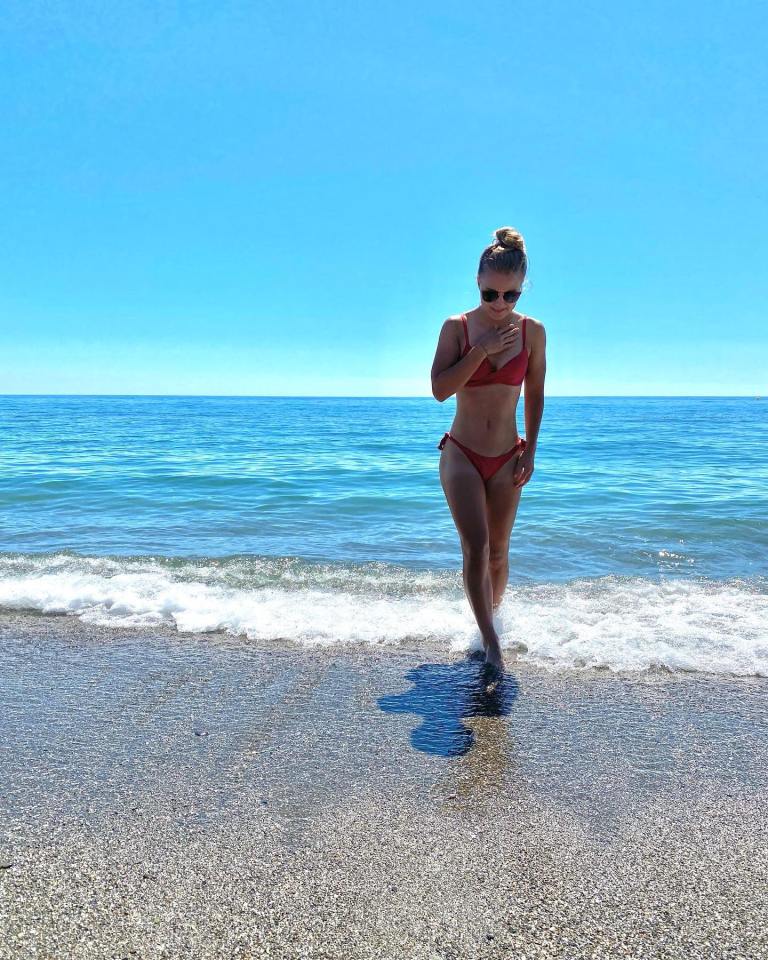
<point>448,371</point>
<point>534,382</point>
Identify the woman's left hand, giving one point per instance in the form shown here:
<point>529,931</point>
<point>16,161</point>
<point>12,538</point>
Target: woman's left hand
<point>523,469</point>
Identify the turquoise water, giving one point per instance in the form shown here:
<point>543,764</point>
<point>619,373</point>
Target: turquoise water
<point>640,541</point>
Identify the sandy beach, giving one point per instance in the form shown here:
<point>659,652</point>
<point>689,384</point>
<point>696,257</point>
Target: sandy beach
<point>167,795</point>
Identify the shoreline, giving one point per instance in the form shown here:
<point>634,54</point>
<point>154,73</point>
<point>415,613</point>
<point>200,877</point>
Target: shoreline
<point>230,798</point>
<point>69,625</point>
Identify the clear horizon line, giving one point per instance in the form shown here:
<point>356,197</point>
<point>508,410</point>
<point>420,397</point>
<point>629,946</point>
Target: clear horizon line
<point>393,396</point>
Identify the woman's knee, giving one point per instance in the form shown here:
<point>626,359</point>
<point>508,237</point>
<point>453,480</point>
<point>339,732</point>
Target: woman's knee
<point>475,550</point>
<point>498,557</point>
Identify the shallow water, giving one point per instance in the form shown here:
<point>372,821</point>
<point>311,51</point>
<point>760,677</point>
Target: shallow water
<point>640,542</point>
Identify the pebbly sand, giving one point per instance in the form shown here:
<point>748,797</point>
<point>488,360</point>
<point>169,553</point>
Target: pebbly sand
<point>166,795</point>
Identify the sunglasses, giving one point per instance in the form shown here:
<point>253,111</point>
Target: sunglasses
<point>510,296</point>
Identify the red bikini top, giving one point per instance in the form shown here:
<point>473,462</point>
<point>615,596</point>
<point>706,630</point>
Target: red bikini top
<point>513,371</point>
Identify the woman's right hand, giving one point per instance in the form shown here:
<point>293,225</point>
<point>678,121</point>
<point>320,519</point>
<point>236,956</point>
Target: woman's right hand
<point>500,338</point>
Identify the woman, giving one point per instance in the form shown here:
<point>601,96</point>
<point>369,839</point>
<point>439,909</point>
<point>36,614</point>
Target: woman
<point>484,357</point>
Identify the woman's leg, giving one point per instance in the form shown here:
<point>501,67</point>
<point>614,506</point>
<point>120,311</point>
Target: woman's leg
<point>465,492</point>
<point>502,499</point>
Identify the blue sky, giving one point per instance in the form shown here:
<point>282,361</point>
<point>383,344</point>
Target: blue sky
<point>289,198</point>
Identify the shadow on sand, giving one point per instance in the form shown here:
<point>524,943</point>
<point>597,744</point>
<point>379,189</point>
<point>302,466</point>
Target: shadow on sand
<point>444,695</point>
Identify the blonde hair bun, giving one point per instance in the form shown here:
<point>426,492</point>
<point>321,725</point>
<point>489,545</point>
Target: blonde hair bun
<point>506,253</point>
<point>510,239</point>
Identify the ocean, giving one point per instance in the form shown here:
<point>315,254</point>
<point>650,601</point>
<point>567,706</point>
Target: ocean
<point>640,542</point>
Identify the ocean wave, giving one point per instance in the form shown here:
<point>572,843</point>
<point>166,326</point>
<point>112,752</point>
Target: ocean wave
<point>610,622</point>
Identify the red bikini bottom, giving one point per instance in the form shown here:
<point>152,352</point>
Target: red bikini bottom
<point>485,466</point>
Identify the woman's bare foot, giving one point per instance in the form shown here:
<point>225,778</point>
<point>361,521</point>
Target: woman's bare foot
<point>493,657</point>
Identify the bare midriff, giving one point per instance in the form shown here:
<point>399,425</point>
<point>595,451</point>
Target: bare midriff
<point>485,418</point>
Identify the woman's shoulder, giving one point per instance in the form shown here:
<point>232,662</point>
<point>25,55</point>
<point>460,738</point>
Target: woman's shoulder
<point>452,330</point>
<point>535,334</point>
<point>535,326</point>
<point>454,322</point>
<point>532,320</point>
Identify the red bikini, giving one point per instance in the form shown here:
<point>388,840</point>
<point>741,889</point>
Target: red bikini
<point>485,466</point>
<point>512,373</point>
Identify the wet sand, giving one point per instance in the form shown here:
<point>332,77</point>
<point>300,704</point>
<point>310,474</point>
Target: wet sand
<point>166,795</point>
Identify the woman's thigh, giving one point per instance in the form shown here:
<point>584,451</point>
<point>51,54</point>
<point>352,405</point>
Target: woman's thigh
<point>502,499</point>
<point>464,490</point>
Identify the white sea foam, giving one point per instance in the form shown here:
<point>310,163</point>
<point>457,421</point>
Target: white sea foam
<point>618,623</point>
